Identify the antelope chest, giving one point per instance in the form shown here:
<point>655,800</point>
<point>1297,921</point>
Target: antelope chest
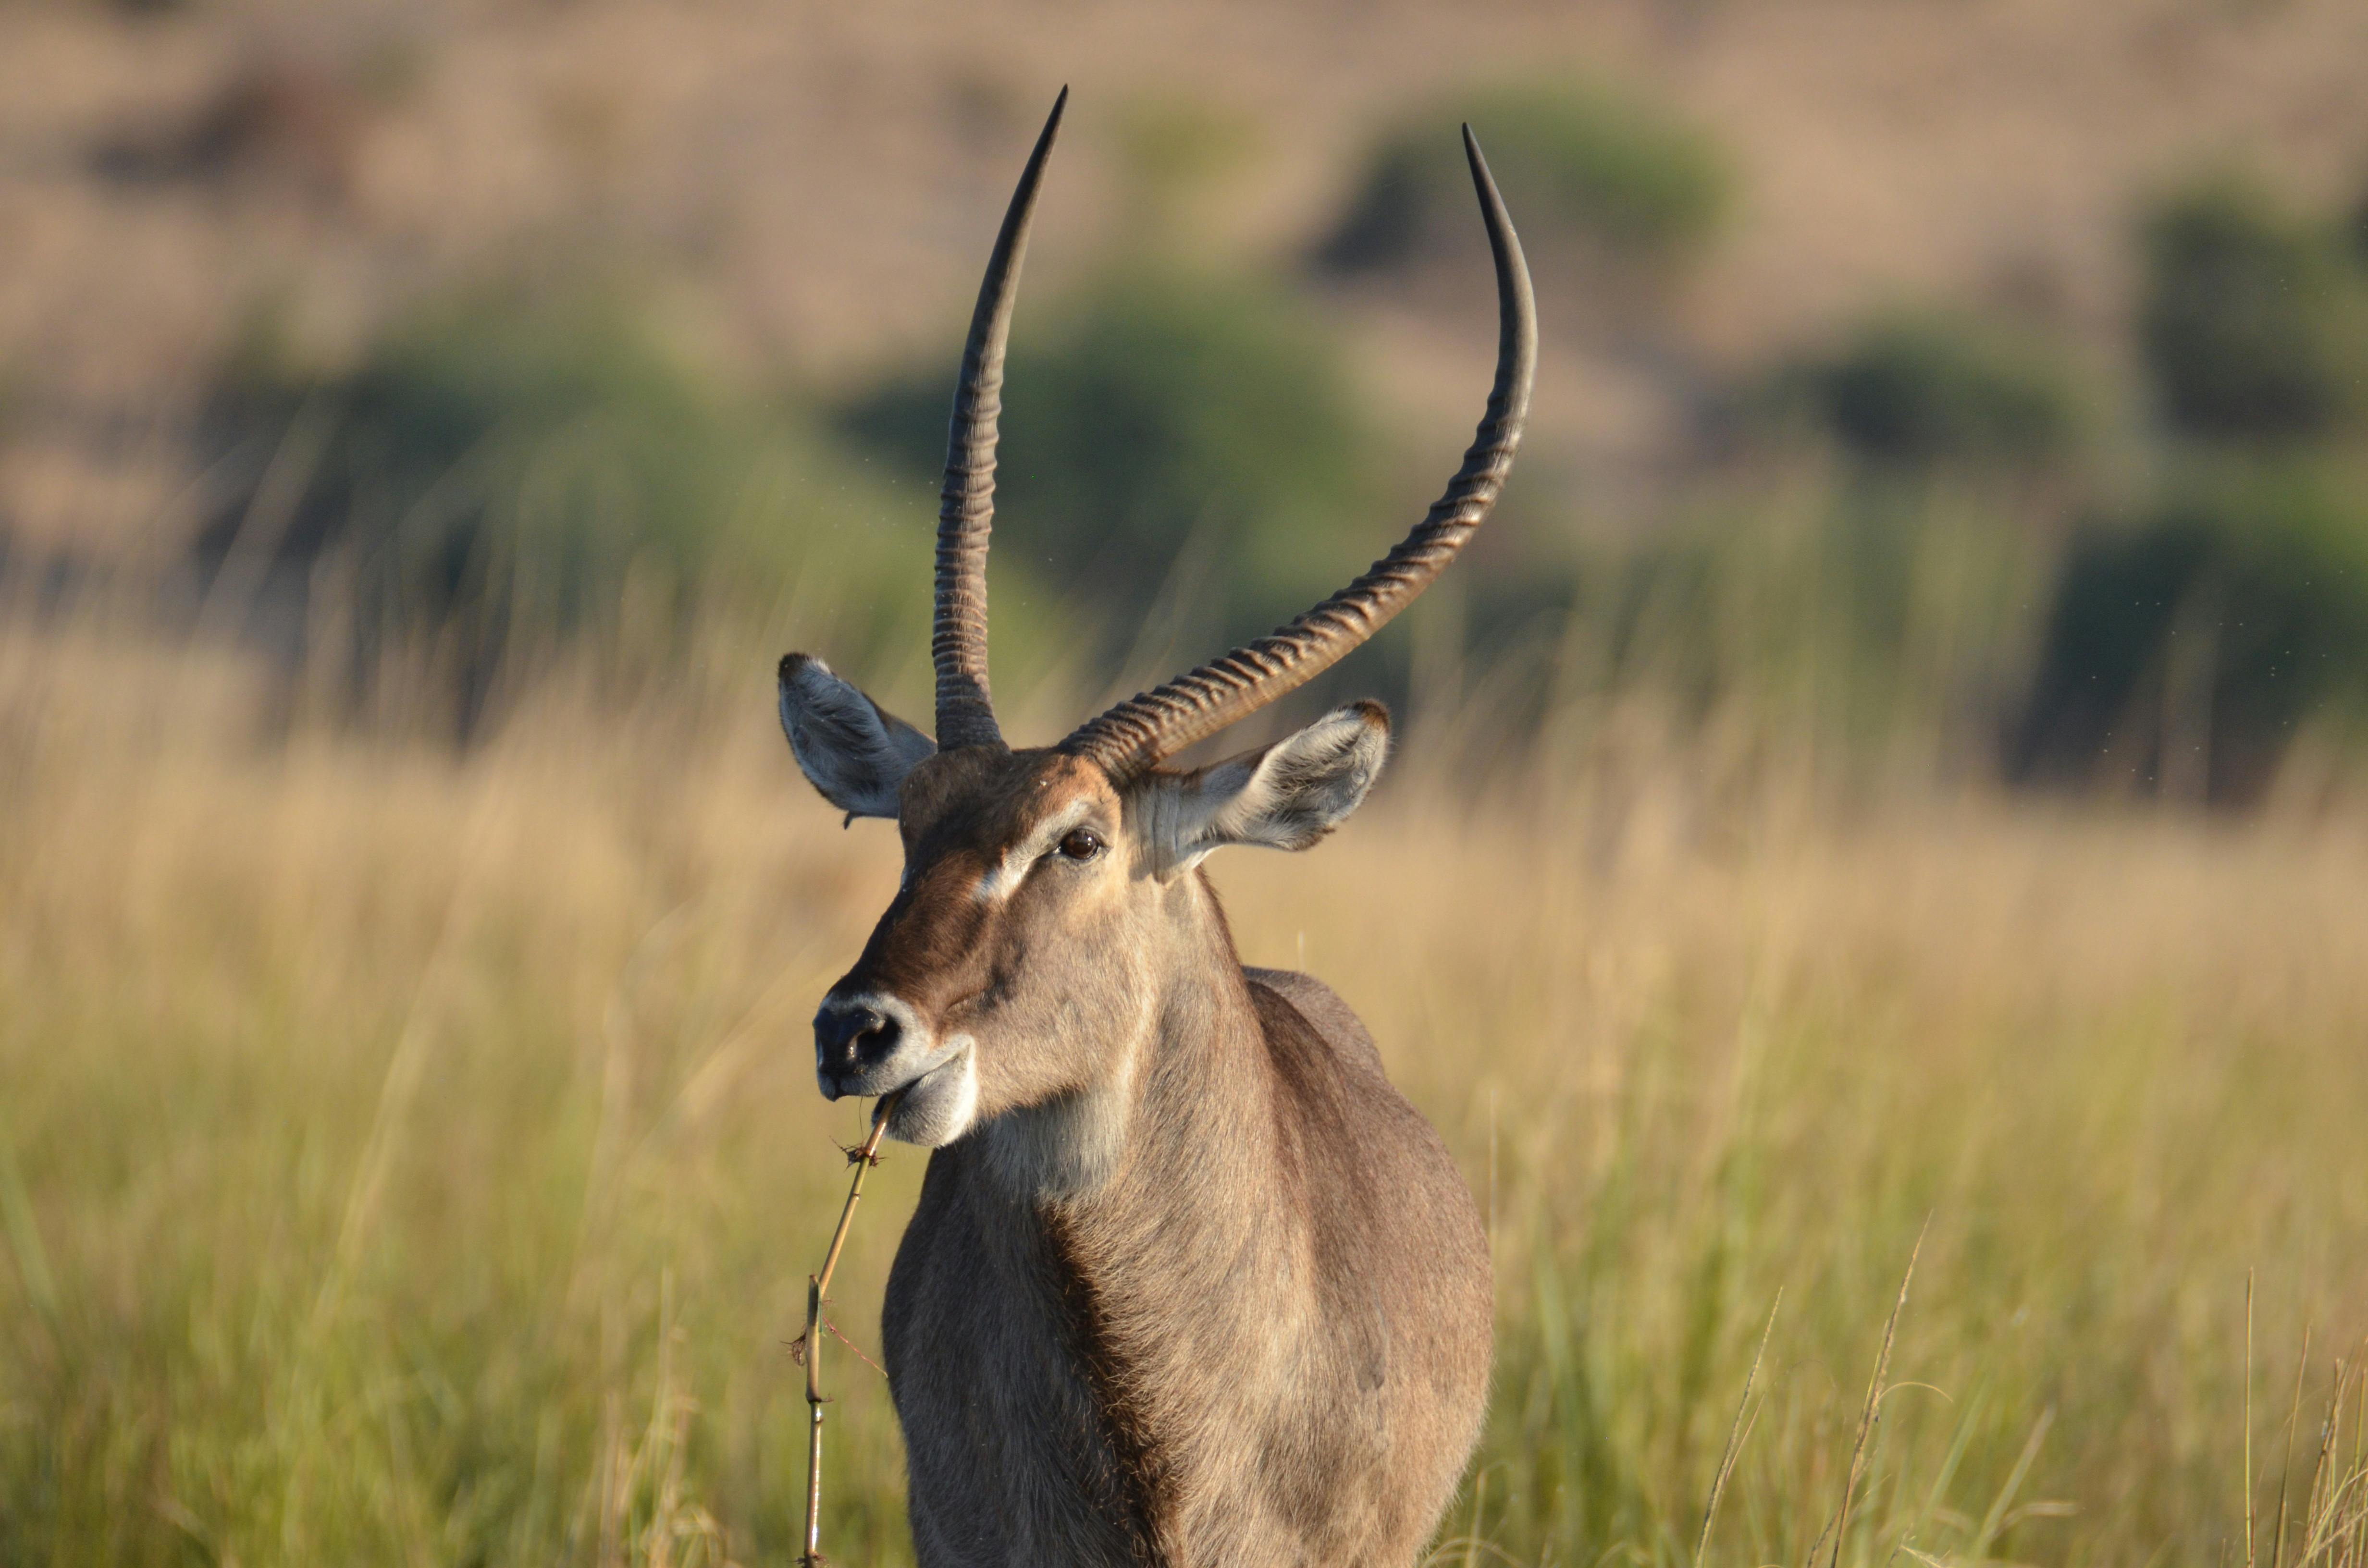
<point>1244,1399</point>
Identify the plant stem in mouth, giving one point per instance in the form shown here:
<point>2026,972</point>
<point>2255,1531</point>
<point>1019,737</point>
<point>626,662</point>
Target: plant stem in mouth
<point>817,1285</point>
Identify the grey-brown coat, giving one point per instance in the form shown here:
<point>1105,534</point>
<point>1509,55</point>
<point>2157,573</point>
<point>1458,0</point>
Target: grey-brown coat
<point>1190,1281</point>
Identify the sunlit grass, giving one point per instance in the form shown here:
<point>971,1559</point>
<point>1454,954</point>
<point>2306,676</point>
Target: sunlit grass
<point>411,1156</point>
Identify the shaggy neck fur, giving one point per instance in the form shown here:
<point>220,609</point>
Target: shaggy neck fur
<point>1153,1323</point>
<point>1129,1206</point>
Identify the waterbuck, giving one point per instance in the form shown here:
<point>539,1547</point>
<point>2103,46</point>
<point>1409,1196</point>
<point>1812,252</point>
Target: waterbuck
<point>1190,1282</point>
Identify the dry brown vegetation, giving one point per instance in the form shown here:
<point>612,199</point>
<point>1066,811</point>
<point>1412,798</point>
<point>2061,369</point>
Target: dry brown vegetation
<point>412,1154</point>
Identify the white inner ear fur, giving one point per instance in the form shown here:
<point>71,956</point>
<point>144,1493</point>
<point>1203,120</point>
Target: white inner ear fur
<point>850,748</point>
<point>1285,796</point>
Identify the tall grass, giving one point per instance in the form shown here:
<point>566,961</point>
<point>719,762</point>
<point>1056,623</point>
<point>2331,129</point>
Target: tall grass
<point>408,1154</point>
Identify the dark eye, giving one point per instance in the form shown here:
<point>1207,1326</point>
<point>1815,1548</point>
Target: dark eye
<point>1083,844</point>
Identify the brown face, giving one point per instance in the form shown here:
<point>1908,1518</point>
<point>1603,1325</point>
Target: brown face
<point>1005,971</point>
<point>1040,911</point>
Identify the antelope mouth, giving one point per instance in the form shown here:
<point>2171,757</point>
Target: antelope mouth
<point>955,1054</point>
<point>906,1069</point>
<point>939,1102</point>
<point>871,1043</point>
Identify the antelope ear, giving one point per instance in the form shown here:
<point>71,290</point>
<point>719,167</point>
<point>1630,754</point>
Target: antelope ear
<point>1286,796</point>
<point>850,748</point>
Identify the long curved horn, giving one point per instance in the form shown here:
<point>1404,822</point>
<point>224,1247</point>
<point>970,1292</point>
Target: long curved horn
<point>966,516</point>
<point>1133,736</point>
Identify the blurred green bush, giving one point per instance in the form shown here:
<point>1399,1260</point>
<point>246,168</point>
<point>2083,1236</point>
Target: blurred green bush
<point>1188,440</point>
<point>1917,388</point>
<point>499,473</point>
<point>1580,163</point>
<point>1876,623</point>
<point>2192,636</point>
<point>2189,643</point>
<point>2254,324</point>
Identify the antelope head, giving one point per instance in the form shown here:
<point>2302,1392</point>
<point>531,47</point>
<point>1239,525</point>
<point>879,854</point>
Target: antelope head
<point>1046,890</point>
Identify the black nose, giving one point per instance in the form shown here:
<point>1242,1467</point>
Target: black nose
<point>849,1036</point>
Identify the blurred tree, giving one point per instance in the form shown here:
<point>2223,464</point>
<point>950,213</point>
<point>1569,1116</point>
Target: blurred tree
<point>2254,324</point>
<point>2187,646</point>
<point>1916,389</point>
<point>1581,164</point>
<point>1165,426</point>
<point>495,471</point>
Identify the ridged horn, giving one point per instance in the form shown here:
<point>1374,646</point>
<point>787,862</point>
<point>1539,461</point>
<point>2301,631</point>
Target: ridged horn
<point>966,516</point>
<point>1133,736</point>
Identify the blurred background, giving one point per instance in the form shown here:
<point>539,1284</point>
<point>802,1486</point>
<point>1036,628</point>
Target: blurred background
<point>1897,756</point>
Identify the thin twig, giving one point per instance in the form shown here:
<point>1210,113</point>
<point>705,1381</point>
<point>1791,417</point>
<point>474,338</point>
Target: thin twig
<point>862,1159</point>
<point>797,1346</point>
<point>2249,1418</point>
<point>1734,1433</point>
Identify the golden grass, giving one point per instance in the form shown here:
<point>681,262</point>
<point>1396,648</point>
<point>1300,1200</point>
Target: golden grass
<point>411,1156</point>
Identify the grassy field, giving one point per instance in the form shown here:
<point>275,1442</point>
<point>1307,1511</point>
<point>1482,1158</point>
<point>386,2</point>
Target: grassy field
<point>411,1156</point>
<point>409,1152</point>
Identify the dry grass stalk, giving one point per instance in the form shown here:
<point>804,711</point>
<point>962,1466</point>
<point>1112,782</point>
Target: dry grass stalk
<point>2285,1470</point>
<point>1870,1412</point>
<point>2249,1418</point>
<point>2336,1516</point>
<point>1997,1519</point>
<point>2316,1503</point>
<point>1736,1433</point>
<point>809,1346</point>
